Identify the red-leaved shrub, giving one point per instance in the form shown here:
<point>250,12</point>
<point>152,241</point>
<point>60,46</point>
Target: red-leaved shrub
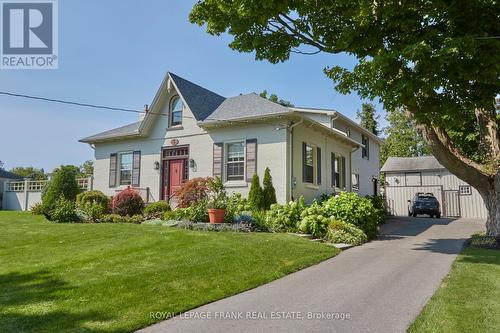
<point>191,192</point>
<point>127,202</point>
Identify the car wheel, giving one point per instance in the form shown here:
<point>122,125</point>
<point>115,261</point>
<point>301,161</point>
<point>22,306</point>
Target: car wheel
<point>438,216</point>
<point>409,213</point>
<point>431,216</point>
<point>414,214</point>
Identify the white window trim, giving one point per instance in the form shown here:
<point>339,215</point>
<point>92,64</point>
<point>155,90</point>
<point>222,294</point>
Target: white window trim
<point>465,187</point>
<point>235,183</point>
<point>314,184</point>
<point>119,169</point>
<point>355,188</point>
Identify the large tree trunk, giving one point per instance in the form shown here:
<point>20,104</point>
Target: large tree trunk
<point>485,178</point>
<point>492,201</point>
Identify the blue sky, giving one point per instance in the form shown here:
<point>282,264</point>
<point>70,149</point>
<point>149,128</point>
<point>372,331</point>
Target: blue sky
<point>116,53</point>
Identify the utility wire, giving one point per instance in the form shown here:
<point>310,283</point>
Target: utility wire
<point>88,105</point>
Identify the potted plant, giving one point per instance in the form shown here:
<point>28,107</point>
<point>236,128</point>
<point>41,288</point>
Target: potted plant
<point>217,200</point>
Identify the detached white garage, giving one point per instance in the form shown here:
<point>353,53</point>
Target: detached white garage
<point>405,176</point>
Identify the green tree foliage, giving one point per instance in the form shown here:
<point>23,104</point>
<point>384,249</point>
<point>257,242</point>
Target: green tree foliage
<point>63,185</point>
<point>439,60</point>
<point>269,192</point>
<point>274,98</point>
<point>402,138</point>
<point>256,194</point>
<point>87,168</point>
<point>30,172</point>
<point>1,165</point>
<point>368,118</point>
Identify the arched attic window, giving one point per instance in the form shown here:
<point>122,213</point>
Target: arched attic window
<point>176,107</point>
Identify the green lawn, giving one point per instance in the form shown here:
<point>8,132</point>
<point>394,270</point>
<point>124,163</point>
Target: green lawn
<point>469,298</point>
<point>110,277</point>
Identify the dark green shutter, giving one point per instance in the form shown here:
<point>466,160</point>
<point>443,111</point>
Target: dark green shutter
<point>304,162</point>
<point>343,173</point>
<point>333,169</point>
<point>136,168</point>
<point>318,160</point>
<point>112,169</point>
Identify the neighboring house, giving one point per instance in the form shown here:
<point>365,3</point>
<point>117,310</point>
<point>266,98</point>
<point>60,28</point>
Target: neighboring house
<point>191,132</point>
<point>405,176</point>
<point>6,176</point>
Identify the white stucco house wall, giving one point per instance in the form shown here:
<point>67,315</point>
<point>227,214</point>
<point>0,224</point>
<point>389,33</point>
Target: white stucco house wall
<point>191,132</point>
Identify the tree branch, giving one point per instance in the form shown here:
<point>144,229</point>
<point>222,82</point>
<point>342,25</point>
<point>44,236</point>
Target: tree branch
<point>488,133</point>
<point>451,157</point>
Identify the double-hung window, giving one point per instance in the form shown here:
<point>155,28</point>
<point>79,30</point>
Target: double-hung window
<point>126,168</point>
<point>365,151</point>
<point>309,164</point>
<point>235,162</point>
<point>338,171</point>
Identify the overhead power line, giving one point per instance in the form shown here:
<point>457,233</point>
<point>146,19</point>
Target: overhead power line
<point>87,105</point>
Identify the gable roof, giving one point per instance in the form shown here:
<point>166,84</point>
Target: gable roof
<point>9,175</point>
<point>202,102</point>
<point>246,106</point>
<point>411,164</point>
<point>123,131</point>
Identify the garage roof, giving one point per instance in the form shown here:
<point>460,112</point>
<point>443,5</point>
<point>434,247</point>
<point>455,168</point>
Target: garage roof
<point>394,164</point>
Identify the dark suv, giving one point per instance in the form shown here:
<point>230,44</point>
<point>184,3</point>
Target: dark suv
<point>424,203</point>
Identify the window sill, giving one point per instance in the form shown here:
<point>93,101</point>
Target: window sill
<point>312,186</point>
<point>236,183</point>
<point>175,128</point>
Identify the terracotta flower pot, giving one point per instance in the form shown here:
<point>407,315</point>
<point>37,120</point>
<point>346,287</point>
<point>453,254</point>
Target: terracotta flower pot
<point>216,215</point>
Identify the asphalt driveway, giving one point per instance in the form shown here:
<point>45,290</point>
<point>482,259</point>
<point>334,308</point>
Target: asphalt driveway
<point>378,287</point>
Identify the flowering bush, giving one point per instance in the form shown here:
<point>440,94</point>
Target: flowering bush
<point>64,211</point>
<point>92,205</point>
<point>341,232</point>
<point>351,208</point>
<point>127,202</point>
<point>314,221</point>
<point>192,191</point>
<point>285,218</point>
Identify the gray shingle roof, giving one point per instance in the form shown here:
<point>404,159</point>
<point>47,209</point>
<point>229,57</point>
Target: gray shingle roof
<point>411,164</point>
<point>129,129</point>
<point>9,175</point>
<point>246,106</point>
<point>202,102</point>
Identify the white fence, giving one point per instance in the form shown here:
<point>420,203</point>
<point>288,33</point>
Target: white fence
<point>22,195</point>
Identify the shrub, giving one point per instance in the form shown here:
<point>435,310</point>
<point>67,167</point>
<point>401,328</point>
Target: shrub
<point>351,208</point>
<point>379,204</point>
<point>341,232</point>
<point>156,209</point>
<point>62,184</point>
<point>313,221</point>
<point>256,195</point>
<point>93,197</point>
<point>269,193</point>
<point>196,213</point>
<point>64,211</point>
<point>259,217</point>
<point>127,202</point>
<point>191,192</point>
<point>217,195</point>
<point>285,218</point>
<point>236,204</point>
<point>37,209</point>
<point>171,215</point>
<point>92,205</point>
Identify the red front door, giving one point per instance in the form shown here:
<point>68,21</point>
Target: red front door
<point>175,175</point>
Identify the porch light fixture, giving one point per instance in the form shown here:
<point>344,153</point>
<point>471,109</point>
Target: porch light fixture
<point>192,163</point>
<point>156,165</point>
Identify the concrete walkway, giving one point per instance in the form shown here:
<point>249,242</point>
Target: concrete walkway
<point>378,287</point>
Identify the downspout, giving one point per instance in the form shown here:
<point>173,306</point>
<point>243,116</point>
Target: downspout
<point>290,162</point>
